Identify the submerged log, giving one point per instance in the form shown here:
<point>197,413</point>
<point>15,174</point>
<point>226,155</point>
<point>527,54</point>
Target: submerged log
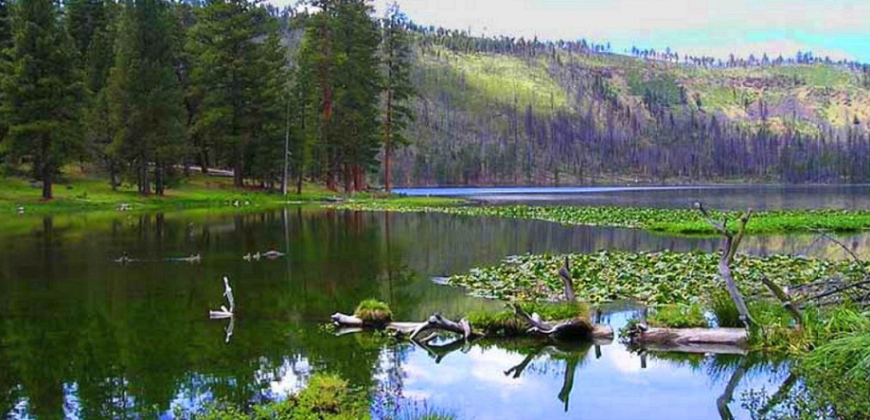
<point>411,329</point>
<point>600,334</point>
<point>571,328</point>
<point>691,340</point>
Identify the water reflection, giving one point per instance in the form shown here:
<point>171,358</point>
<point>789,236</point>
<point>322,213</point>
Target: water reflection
<point>505,379</point>
<point>84,337</point>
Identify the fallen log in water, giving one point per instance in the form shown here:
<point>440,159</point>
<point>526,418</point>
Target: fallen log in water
<point>411,329</point>
<point>600,334</point>
<point>690,340</point>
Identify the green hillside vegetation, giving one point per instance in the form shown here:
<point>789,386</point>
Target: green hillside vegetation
<point>816,95</point>
<point>479,81</point>
<point>505,111</point>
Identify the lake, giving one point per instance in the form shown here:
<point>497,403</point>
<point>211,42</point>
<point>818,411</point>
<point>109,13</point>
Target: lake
<point>85,337</point>
<point>727,197</point>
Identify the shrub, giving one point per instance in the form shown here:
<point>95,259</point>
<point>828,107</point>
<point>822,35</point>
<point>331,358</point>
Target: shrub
<point>678,316</point>
<point>374,312</point>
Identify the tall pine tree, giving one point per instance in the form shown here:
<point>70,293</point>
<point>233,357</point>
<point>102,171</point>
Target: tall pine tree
<point>5,26</point>
<point>239,77</point>
<point>145,100</point>
<point>41,92</point>
<point>338,64</point>
<point>5,43</point>
<point>316,80</point>
<point>93,24</point>
<point>357,99</point>
<point>398,90</point>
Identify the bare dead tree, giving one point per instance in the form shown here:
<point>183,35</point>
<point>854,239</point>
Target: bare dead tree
<point>836,289</point>
<point>565,274</point>
<point>225,312</point>
<point>729,250</point>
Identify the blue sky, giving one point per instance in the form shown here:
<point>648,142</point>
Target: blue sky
<point>839,28</point>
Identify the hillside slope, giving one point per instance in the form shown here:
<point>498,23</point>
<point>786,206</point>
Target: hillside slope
<point>546,114</point>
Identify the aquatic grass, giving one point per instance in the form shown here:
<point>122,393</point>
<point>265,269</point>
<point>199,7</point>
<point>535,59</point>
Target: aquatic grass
<point>670,221</point>
<point>326,397</point>
<point>724,310</point>
<point>678,316</point>
<point>839,370</point>
<point>506,323</point>
<point>774,329</point>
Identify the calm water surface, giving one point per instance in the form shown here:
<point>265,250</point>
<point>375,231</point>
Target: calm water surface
<point>83,337</point>
<point>732,197</point>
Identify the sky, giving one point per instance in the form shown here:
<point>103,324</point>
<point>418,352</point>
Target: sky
<point>836,28</point>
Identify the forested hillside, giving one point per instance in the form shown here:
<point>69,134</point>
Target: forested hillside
<point>507,111</point>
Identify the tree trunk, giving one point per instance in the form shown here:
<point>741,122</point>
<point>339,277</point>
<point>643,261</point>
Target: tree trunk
<point>159,179</point>
<point>347,178</point>
<point>144,180</point>
<point>203,162</point>
<point>113,175</point>
<point>238,173</point>
<point>46,183</point>
<point>358,178</point>
<point>388,143</point>
<point>299,183</point>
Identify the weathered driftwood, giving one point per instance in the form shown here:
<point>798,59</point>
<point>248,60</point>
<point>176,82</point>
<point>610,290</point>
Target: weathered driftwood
<point>691,340</point>
<point>834,290</point>
<point>600,334</point>
<point>411,329</point>
<point>225,312</point>
<point>565,274</point>
<point>785,298</point>
<point>571,328</point>
<point>729,251</point>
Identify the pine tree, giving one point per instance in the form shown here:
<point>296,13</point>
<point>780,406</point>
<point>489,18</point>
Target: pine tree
<point>41,92</point>
<point>270,113</point>
<point>83,19</point>
<point>5,26</point>
<point>5,43</point>
<point>235,49</point>
<point>398,89</point>
<point>145,101</point>
<point>97,61</point>
<point>359,80</point>
<point>339,70</point>
<point>316,85</point>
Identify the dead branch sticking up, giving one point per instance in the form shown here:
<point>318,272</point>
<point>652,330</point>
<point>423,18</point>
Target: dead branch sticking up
<point>729,251</point>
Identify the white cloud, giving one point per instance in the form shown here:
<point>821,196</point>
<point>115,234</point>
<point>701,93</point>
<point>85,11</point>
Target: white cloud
<point>709,27</point>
